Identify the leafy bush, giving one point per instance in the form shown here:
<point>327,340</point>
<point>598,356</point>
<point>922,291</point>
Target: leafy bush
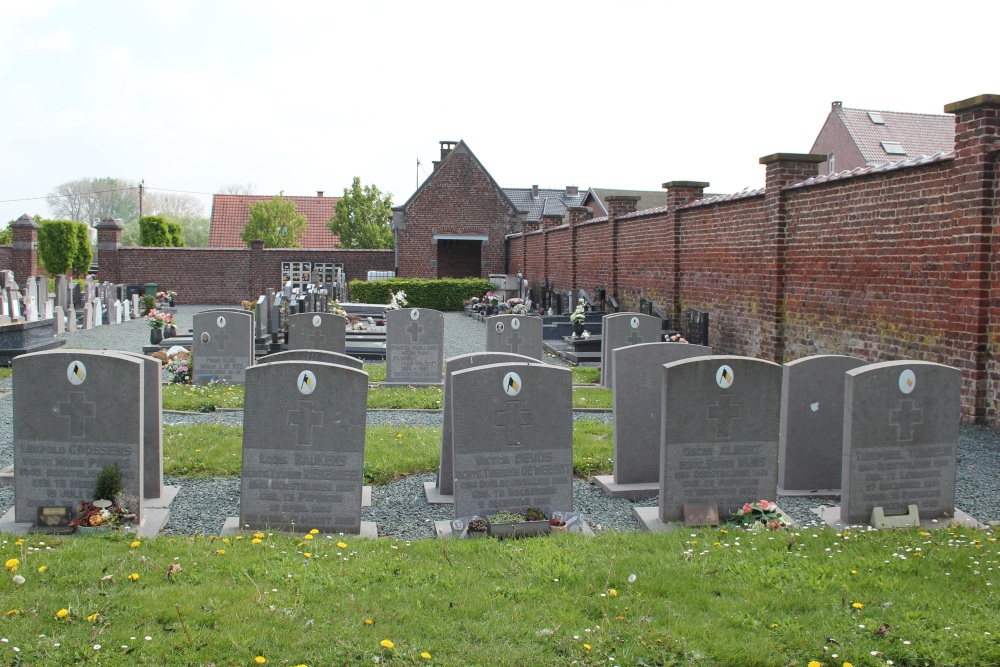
<point>84,255</point>
<point>57,241</point>
<point>176,234</point>
<point>440,294</point>
<point>109,482</point>
<point>154,232</point>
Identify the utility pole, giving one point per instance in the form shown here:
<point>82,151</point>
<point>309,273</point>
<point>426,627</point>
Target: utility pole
<point>417,184</point>
<point>142,183</point>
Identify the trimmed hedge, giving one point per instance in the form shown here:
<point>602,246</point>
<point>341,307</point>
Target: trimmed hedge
<point>84,255</point>
<point>441,294</point>
<point>57,241</point>
<point>157,232</point>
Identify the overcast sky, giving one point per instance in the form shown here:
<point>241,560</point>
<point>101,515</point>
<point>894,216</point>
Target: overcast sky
<point>302,96</point>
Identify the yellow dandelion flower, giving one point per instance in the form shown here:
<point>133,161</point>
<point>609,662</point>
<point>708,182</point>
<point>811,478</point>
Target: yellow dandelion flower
<point>368,621</point>
<point>613,592</point>
<point>847,664</point>
<point>307,555</point>
<point>814,663</point>
<point>135,544</point>
<point>13,612</point>
<point>221,552</point>
<point>92,618</point>
<point>42,568</point>
<point>62,613</point>
<point>256,540</point>
<point>260,660</point>
<point>425,655</point>
<point>586,646</point>
<point>18,543</point>
<point>225,540</point>
<point>133,577</point>
<point>857,605</point>
<point>12,564</point>
<point>386,643</point>
<point>314,531</point>
<point>307,537</point>
<point>619,618</point>
<point>259,536</point>
<point>341,545</point>
<point>854,571</point>
<point>239,537</point>
<point>774,625</point>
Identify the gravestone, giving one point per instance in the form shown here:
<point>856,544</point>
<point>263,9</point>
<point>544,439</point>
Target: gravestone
<point>127,310</point>
<point>696,326</point>
<point>88,315</point>
<point>136,308</point>
<point>303,447</point>
<point>810,450</point>
<point>317,331</point>
<point>97,311</point>
<point>719,436</point>
<point>321,356</point>
<point>515,334</point>
<point>152,436</point>
<point>442,490</point>
<point>222,345</point>
<point>624,329</point>
<point>637,396</point>
<point>512,434</point>
<point>260,318</point>
<point>900,439</point>
<point>75,411</point>
<point>71,320</point>
<point>60,320</point>
<point>414,346</point>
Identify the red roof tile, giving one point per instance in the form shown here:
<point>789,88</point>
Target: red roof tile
<point>230,214</point>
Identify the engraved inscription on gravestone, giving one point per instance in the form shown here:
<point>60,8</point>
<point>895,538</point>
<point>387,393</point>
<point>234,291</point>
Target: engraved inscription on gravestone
<point>414,346</point>
<point>223,346</point>
<point>515,334</point>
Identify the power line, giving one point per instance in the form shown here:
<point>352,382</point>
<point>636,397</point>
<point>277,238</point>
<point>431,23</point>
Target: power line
<point>75,194</point>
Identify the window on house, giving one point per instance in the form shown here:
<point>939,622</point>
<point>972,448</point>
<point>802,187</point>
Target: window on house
<point>831,164</point>
<point>893,148</point>
<point>876,117</point>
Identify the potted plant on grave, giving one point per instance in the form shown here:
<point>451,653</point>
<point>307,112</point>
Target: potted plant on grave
<point>492,300</point>
<point>478,527</point>
<point>516,305</point>
<point>158,323</point>
<point>111,507</point>
<point>179,368</point>
<point>758,514</point>
<point>676,338</point>
<point>513,524</point>
<point>557,525</point>
<point>148,303</point>
<point>577,318</point>
<point>397,300</point>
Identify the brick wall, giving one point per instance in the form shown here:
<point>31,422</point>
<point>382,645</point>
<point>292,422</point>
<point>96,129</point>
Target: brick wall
<point>7,257</point>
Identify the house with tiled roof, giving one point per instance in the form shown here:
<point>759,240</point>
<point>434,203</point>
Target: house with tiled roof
<point>597,199</point>
<point>231,212</point>
<point>857,138</point>
<point>537,202</point>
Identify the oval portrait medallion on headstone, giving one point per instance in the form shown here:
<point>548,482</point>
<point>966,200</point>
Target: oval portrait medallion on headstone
<point>317,320</point>
<point>515,323</point>
<point>205,337</point>
<point>499,327</point>
<point>512,383</point>
<point>907,381</point>
<point>634,323</point>
<point>221,322</point>
<point>414,314</point>
<point>76,372</point>
<point>724,376</point>
<point>306,382</point>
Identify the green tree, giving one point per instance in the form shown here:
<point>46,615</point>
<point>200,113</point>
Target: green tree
<point>154,232</point>
<point>195,229</point>
<point>362,217</point>
<point>57,241</point>
<point>176,234</point>
<point>7,234</point>
<point>84,255</point>
<point>277,223</point>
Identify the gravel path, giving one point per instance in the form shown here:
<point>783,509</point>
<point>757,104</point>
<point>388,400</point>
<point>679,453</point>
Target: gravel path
<point>400,509</point>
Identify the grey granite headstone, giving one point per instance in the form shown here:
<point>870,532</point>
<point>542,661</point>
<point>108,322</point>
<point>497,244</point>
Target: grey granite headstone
<point>317,331</point>
<point>812,424</point>
<point>88,315</point>
<point>71,319</point>
<point>414,346</point>
<point>719,434</point>
<point>515,334</point>
<point>152,437</point>
<point>222,345</point>
<point>512,434</point>
<point>637,396</point>
<point>75,411</point>
<point>303,447</point>
<point>622,330</point>
<point>260,318</point>
<point>442,490</point>
<point>321,356</point>
<point>900,439</point>
<point>59,320</point>
<point>63,294</point>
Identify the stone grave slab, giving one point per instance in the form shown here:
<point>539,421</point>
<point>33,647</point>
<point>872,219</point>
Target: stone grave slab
<point>637,397</point>
<point>622,330</point>
<point>414,346</point>
<point>512,434</point>
<point>900,439</point>
<point>152,471</point>
<point>321,356</point>
<point>719,436</point>
<point>812,425</point>
<point>303,447</point>
<point>222,345</point>
<point>515,334</point>
<point>75,411</point>
<point>317,331</point>
<point>441,490</point>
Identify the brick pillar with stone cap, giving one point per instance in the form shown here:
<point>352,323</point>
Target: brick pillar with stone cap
<point>679,193</point>
<point>25,243</point>
<point>577,214</point>
<point>618,205</point>
<point>109,241</point>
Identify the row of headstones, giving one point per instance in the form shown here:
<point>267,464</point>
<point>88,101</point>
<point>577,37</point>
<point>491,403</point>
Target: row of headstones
<point>312,298</point>
<point>28,304</point>
<point>716,429</point>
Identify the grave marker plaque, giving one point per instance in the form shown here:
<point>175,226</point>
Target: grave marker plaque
<point>696,326</point>
<point>900,439</point>
<point>75,411</point>
<point>303,447</point>
<point>414,346</point>
<point>508,453</point>
<point>622,330</point>
<point>719,433</point>
<point>317,331</point>
<point>515,334</point>
<point>222,345</point>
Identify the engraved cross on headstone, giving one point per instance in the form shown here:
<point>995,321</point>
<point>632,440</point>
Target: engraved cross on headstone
<point>305,418</point>
<point>317,337</point>
<point>722,413</point>
<point>512,420</point>
<point>414,330</point>
<point>633,338</point>
<point>904,420</point>
<point>77,410</point>
<point>221,339</point>
<point>514,342</point>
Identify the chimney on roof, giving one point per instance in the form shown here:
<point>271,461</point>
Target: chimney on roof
<point>836,106</point>
<point>534,190</point>
<point>319,193</point>
<point>446,147</point>
<point>572,190</point>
